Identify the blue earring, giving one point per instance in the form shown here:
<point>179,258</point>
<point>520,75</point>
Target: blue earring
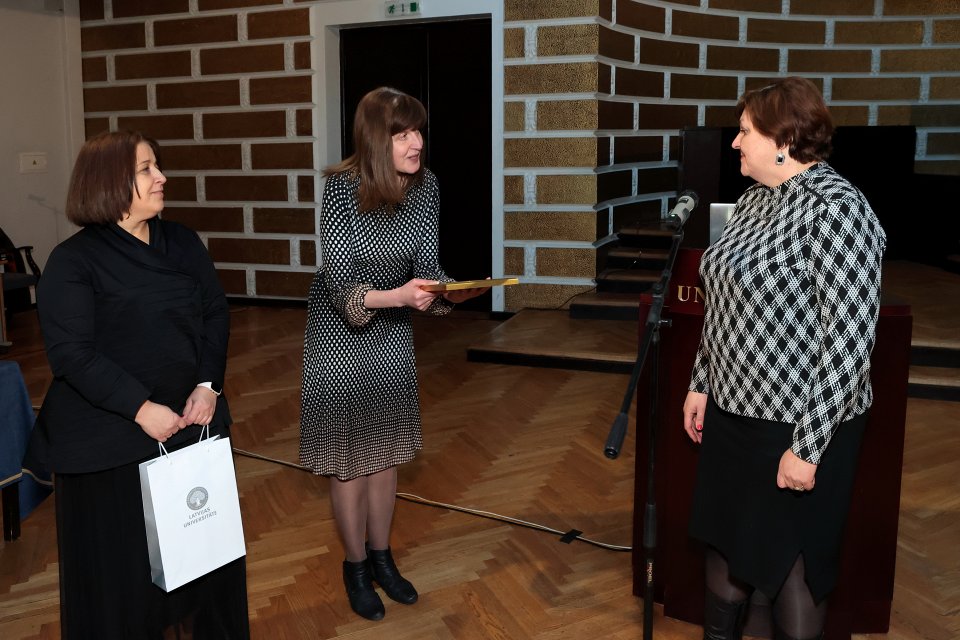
<point>780,158</point>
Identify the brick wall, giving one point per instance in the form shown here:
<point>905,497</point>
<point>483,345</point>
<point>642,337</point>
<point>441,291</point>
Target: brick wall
<point>615,80</point>
<point>594,94</point>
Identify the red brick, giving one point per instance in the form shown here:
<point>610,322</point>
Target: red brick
<point>305,189</point>
<point>932,60</point>
<point>278,24</point>
<point>666,116</point>
<point>136,8</point>
<point>639,82</point>
<point>249,124</point>
<point>165,127</point>
<point>122,98</point>
<point>828,61</point>
<point>91,10</point>
<point>304,122</point>
<point>799,31</point>
<point>614,184</point>
<point>287,284</point>
<point>249,250</point>
<point>657,179</point>
<point>720,116</point>
<point>216,93</point>
<point>113,36</point>
<point>614,115</point>
<point>614,44</point>
<point>669,54</point>
<point>210,5</point>
<point>201,157</point>
<point>180,188</point>
<point>294,221</point>
<point>93,126</point>
<point>944,88</point>
<point>292,155</point>
<point>831,7</point>
<point>195,30</point>
<point>222,219</point>
<point>281,90</point>
<point>742,58</point>
<point>876,89</point>
<point>705,25</point>
<point>233,281</point>
<point>637,149</point>
<point>301,56</point>
<point>247,187</point>
<point>308,253</point>
<point>703,87</point>
<point>640,16</point>
<point>94,69</point>
<point>874,32</point>
<point>266,57</point>
<point>946,31</point>
<point>919,7</point>
<point>153,65</point>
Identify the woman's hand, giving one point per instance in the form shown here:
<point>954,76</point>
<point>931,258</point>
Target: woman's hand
<point>158,421</point>
<point>200,407</point>
<point>407,295</point>
<point>795,473</point>
<point>693,409</point>
<point>462,295</point>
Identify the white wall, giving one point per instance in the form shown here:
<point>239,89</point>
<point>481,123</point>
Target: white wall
<point>41,109</point>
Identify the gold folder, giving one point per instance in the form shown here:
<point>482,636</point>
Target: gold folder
<point>470,284</point>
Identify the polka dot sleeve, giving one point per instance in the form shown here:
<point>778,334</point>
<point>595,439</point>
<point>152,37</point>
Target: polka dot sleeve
<point>427,263</point>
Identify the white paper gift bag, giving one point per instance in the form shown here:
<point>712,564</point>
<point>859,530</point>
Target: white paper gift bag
<point>192,512</point>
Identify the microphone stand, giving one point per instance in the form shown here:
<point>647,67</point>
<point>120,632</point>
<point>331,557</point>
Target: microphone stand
<point>651,343</point>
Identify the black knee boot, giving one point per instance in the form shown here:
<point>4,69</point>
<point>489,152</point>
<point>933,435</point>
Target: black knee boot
<point>723,620</point>
<point>387,575</point>
<point>363,598</point>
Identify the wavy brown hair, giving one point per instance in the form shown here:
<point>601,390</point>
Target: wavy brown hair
<point>792,113</point>
<point>381,114</point>
<point>104,177</point>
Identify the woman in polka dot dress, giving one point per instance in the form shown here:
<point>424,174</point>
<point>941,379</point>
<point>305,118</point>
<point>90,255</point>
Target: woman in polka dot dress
<point>360,413</point>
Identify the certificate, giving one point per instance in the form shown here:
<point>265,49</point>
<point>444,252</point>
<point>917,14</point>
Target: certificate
<point>470,284</point>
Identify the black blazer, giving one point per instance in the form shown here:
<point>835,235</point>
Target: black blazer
<point>124,322</point>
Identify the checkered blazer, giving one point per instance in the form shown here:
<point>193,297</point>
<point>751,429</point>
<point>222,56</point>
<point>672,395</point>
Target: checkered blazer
<point>792,298</point>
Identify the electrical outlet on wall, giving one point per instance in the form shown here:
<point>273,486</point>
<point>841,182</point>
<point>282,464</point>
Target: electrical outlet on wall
<point>33,162</point>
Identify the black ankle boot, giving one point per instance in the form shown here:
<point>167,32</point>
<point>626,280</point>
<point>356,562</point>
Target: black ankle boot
<point>387,575</point>
<point>363,598</point>
<point>723,620</point>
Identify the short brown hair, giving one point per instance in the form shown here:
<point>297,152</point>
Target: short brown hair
<point>381,114</point>
<point>104,177</point>
<point>791,112</point>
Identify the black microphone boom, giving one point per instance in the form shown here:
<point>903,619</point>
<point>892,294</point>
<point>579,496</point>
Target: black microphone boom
<point>686,203</point>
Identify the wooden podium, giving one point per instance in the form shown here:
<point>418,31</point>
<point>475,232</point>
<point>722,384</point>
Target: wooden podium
<point>862,599</point>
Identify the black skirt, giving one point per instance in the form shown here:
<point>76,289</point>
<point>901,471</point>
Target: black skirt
<point>105,587</point>
<point>759,528</point>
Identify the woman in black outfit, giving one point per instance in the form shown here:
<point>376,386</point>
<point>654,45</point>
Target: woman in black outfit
<point>783,368</point>
<point>136,326</point>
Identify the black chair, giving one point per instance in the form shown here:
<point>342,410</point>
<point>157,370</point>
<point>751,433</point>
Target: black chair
<point>16,281</point>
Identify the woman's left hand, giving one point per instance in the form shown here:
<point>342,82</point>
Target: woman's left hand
<point>200,407</point>
<point>795,473</point>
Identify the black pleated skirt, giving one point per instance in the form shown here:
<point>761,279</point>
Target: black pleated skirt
<point>758,527</point>
<point>106,592</point>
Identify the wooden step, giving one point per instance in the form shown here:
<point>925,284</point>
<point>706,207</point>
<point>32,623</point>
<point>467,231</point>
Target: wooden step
<point>551,338</point>
<point>934,383</point>
<point>638,253</point>
<point>605,305</point>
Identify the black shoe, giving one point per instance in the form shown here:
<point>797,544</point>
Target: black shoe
<point>387,575</point>
<point>363,598</point>
<point>723,620</point>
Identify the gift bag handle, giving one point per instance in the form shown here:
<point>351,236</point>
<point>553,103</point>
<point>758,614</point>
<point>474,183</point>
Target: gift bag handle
<point>204,430</point>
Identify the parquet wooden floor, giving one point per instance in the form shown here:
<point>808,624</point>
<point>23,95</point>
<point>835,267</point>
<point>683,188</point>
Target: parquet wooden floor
<point>519,441</point>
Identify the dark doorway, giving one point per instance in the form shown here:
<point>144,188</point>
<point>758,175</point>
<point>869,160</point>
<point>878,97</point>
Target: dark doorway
<point>446,65</point>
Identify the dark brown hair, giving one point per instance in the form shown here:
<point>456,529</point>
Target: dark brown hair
<point>381,114</point>
<point>791,112</point>
<point>104,177</point>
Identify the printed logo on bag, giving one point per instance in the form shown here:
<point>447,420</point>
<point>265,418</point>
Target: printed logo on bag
<point>197,498</point>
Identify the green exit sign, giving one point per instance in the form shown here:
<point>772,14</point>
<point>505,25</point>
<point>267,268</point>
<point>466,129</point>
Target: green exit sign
<point>402,9</point>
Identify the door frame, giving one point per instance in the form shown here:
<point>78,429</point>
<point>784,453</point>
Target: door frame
<point>328,18</point>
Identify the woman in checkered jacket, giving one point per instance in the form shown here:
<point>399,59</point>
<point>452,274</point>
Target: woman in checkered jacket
<point>781,383</point>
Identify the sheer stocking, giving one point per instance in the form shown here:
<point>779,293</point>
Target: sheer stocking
<point>719,580</point>
<point>364,507</point>
<point>795,615</point>
<point>381,498</point>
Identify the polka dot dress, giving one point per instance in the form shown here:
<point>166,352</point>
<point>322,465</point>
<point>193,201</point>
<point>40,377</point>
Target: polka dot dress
<point>359,409</point>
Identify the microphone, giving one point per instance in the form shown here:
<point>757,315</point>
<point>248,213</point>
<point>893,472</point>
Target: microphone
<point>686,203</point>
